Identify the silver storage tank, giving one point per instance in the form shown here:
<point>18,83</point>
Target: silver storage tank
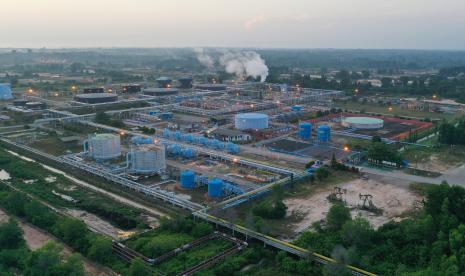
<point>103,146</point>
<point>147,159</point>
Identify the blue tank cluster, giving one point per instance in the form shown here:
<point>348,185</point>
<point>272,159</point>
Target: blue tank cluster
<point>139,140</point>
<point>188,179</point>
<point>152,113</point>
<point>305,131</point>
<point>178,150</point>
<point>323,134</point>
<point>215,188</point>
<point>232,148</point>
<point>201,140</point>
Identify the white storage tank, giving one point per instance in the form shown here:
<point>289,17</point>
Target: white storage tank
<point>147,159</point>
<point>251,121</point>
<point>103,146</point>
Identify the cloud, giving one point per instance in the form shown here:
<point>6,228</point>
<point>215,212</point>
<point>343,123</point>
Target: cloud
<point>254,21</point>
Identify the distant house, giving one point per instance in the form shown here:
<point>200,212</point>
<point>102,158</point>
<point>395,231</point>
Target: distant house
<point>231,135</point>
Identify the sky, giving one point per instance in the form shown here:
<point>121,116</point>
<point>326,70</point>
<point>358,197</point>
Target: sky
<point>393,24</point>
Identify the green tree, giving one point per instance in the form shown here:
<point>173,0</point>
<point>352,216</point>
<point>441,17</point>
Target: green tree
<point>338,215</point>
<point>100,250</point>
<point>138,268</point>
<point>11,235</point>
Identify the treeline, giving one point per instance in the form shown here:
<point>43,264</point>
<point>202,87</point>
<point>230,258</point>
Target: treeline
<point>429,243</point>
<point>71,231</point>
<point>452,134</point>
<point>17,259</point>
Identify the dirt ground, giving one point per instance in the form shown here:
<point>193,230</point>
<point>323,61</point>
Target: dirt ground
<point>97,223</point>
<point>392,199</point>
<point>433,164</point>
<point>36,238</point>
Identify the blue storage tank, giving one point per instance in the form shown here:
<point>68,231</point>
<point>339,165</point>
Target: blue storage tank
<point>215,187</point>
<point>188,153</point>
<point>189,138</point>
<point>174,149</point>
<point>178,135</point>
<point>232,148</point>
<point>204,141</point>
<point>188,179</point>
<point>323,133</point>
<point>296,107</point>
<point>196,139</point>
<point>216,144</point>
<point>305,131</point>
<point>5,91</point>
<point>139,140</point>
<point>152,113</point>
<point>166,133</point>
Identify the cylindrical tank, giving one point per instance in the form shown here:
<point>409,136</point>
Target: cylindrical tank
<point>164,82</point>
<point>5,91</point>
<point>204,141</point>
<point>188,153</point>
<point>305,131</point>
<point>178,135</point>
<point>186,82</point>
<point>174,149</point>
<point>139,140</point>
<point>296,107</point>
<point>251,121</point>
<point>104,146</point>
<point>166,133</point>
<point>323,133</point>
<point>232,148</point>
<point>188,179</point>
<point>215,187</point>
<point>147,159</point>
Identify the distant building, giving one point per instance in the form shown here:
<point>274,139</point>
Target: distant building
<point>231,135</point>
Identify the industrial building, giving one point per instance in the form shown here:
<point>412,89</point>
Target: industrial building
<point>211,86</point>
<point>231,135</point>
<point>94,98</point>
<point>5,91</point>
<point>131,88</point>
<point>256,121</point>
<point>160,91</point>
<point>103,146</point>
<point>91,90</point>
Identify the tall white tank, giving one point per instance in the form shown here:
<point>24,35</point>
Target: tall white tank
<point>104,146</point>
<point>147,159</point>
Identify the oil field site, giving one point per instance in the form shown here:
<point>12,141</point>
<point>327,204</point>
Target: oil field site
<point>189,169</point>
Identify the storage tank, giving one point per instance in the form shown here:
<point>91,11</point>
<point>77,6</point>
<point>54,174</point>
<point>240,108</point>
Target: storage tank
<point>188,153</point>
<point>139,140</point>
<point>324,133</point>
<point>232,148</point>
<point>103,146</point>
<point>147,159</point>
<point>186,82</point>
<point>5,91</point>
<point>174,149</point>
<point>164,82</point>
<point>215,187</point>
<point>296,107</point>
<point>188,179</point>
<point>305,131</point>
<point>251,121</point>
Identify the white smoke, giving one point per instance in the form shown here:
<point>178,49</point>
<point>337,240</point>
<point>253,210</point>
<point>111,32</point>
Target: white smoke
<point>204,58</point>
<point>244,64</point>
